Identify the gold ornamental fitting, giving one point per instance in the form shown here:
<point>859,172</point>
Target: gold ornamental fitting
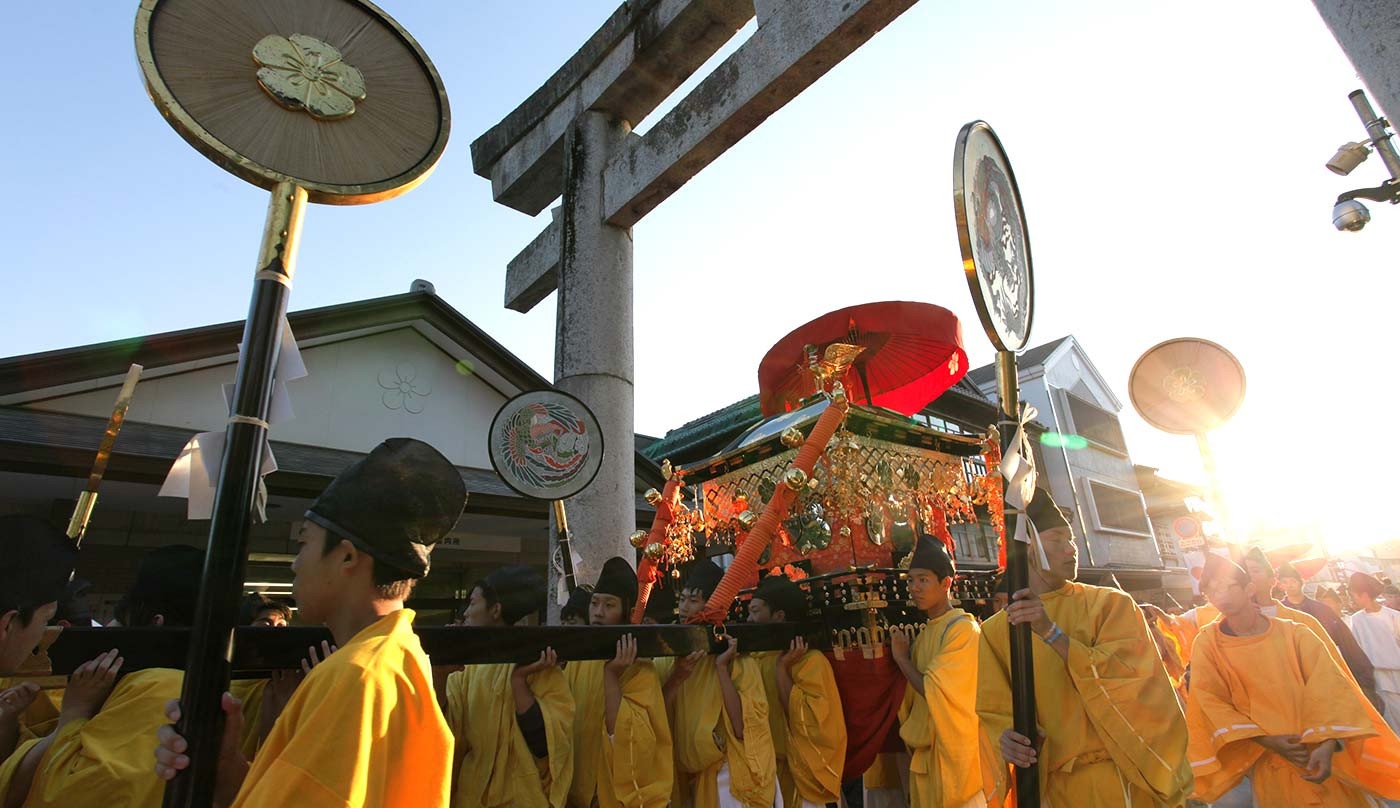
<point>654,551</point>
<point>638,539</point>
<point>653,496</point>
<point>838,392</point>
<point>792,437</point>
<point>795,478</point>
<point>82,512</point>
<point>666,469</point>
<point>747,519</point>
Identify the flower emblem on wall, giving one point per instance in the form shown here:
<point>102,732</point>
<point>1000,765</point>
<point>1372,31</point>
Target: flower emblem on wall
<point>302,72</point>
<point>403,390</point>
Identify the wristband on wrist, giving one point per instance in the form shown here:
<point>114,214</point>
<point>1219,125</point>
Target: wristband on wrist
<point>1053,635</point>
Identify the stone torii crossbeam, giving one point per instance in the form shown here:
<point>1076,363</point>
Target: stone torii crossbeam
<point>572,138</point>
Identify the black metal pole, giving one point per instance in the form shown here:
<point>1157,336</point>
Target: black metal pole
<point>1018,578</point>
<point>208,664</point>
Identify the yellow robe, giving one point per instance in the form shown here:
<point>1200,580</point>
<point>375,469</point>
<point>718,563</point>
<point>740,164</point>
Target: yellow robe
<point>250,693</point>
<point>40,718</point>
<point>704,737</point>
<point>809,737</point>
<point>1116,735</point>
<point>941,727</point>
<point>128,719</point>
<point>1283,682</point>
<point>363,728</point>
<point>497,767</point>
<point>105,761</point>
<point>633,768</point>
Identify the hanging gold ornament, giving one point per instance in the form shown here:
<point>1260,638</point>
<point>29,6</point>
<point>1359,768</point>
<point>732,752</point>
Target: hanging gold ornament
<point>792,437</point>
<point>795,478</point>
<point>747,520</point>
<point>638,539</point>
<point>653,497</point>
<point>654,551</point>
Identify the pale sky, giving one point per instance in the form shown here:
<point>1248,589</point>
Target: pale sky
<point>1170,157</point>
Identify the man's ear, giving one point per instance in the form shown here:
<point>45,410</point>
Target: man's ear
<point>350,555</point>
<point>7,620</point>
<point>158,620</point>
<point>496,611</point>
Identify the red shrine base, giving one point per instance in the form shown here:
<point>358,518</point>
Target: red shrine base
<point>871,691</point>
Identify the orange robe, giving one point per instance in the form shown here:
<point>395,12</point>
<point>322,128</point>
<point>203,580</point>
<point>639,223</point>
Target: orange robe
<point>1283,682</point>
<point>363,728</point>
<point>1115,734</point>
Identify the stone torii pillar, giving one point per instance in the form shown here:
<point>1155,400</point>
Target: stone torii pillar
<point>593,350</point>
<point>572,138</point>
<point>1369,33</point>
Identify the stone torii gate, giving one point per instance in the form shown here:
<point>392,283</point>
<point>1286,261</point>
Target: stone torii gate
<point>572,138</point>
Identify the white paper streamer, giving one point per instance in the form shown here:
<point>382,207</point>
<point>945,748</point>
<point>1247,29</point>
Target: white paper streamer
<point>195,473</point>
<point>1018,468</point>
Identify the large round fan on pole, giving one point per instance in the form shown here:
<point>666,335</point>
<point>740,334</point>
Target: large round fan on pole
<point>332,95</point>
<point>912,352</point>
<point>1187,386</point>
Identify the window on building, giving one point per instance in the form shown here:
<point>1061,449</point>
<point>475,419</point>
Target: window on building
<point>941,424</point>
<point>975,541</point>
<point>1095,423</point>
<point>1120,510</point>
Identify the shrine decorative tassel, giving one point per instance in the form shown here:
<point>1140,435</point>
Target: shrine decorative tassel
<point>647,569</point>
<point>745,564</point>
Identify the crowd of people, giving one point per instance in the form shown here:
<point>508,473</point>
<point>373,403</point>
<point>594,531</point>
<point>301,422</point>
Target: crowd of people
<point>1283,701</point>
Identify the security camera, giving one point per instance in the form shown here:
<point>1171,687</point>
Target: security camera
<point>1348,214</point>
<point>1347,158</point>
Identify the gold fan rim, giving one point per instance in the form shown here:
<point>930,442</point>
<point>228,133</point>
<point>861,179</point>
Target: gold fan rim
<point>266,177</point>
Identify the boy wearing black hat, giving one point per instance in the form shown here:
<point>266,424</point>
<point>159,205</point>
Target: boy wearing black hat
<point>89,759</point>
<point>1113,732</point>
<point>622,743</point>
<point>937,721</point>
<point>38,563</point>
<point>574,612</point>
<point>513,723</point>
<point>719,716</point>
<point>29,595</point>
<point>804,707</point>
<point>364,727</point>
<point>1267,701</point>
<point>661,607</point>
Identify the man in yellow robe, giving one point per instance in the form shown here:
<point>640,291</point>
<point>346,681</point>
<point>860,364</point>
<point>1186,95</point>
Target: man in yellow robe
<point>89,758</point>
<point>622,742</point>
<point>39,562</point>
<point>804,708</point>
<point>1112,731</point>
<point>513,723</point>
<point>1262,575</point>
<point>363,727</point>
<point>719,717</point>
<point>1268,701</point>
<point>937,720</point>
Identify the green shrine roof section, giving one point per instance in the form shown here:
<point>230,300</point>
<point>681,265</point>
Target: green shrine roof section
<point>702,437</point>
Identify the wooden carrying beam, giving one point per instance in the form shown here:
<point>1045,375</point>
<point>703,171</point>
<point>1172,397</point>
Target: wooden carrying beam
<point>260,650</point>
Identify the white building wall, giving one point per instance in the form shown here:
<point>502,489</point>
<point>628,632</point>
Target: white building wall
<point>358,392</point>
